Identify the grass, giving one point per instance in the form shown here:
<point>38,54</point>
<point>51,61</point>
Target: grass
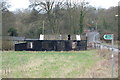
<point>47,64</point>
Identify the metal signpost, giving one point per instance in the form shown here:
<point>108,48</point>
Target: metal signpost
<point>111,37</point>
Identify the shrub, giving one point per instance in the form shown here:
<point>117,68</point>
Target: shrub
<point>7,45</point>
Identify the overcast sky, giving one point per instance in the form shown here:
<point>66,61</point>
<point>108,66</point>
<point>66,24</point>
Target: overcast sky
<point>16,4</point>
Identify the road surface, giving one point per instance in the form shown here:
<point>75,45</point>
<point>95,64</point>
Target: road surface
<point>94,37</point>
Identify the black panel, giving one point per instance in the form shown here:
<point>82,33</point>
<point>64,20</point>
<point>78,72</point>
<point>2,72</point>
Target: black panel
<point>60,46</point>
<point>20,47</point>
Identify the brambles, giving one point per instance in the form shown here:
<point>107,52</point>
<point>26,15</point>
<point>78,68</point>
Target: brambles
<point>7,45</point>
<point>104,53</point>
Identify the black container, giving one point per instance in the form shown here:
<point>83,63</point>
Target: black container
<point>52,45</point>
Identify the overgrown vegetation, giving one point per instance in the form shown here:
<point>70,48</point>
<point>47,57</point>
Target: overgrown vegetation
<point>7,45</point>
<point>12,32</point>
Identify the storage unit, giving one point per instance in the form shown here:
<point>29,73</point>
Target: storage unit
<point>51,45</point>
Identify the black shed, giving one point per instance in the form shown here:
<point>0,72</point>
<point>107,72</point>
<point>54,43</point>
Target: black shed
<point>52,45</point>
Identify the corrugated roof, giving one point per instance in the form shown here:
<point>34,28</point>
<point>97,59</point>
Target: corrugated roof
<point>13,38</point>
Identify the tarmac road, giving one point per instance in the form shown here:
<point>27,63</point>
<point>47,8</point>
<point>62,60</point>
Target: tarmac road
<point>94,37</point>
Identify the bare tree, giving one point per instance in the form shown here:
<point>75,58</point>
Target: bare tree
<point>4,5</point>
<point>46,7</point>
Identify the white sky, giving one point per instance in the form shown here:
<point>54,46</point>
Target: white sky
<point>16,4</point>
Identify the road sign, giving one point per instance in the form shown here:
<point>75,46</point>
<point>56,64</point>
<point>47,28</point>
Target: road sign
<point>108,36</point>
<point>111,37</point>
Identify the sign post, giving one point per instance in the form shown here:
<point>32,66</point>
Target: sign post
<point>111,37</point>
<point>112,55</point>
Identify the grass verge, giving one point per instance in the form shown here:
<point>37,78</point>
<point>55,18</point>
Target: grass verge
<point>47,64</point>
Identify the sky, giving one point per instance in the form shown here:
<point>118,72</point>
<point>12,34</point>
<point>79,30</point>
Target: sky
<point>22,4</point>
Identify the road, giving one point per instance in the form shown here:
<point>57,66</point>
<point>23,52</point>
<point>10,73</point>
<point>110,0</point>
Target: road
<point>94,37</point>
<point>115,49</point>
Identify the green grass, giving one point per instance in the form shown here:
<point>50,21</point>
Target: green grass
<point>48,64</point>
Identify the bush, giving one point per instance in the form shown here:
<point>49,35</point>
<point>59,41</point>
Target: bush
<point>7,45</point>
<point>12,32</point>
